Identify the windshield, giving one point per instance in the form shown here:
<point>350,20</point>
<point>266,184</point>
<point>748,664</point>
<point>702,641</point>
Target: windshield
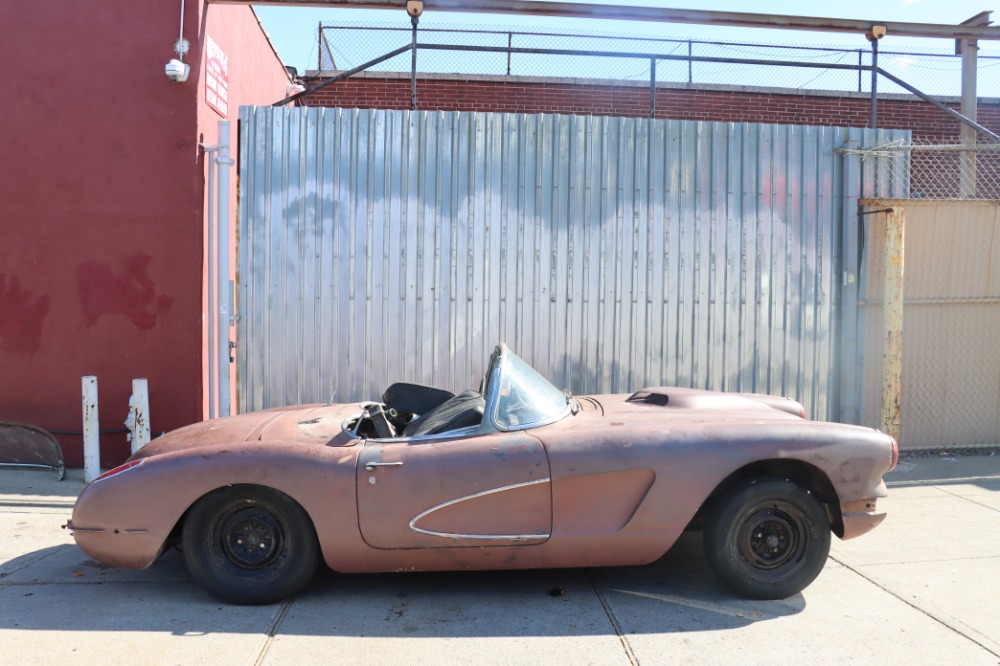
<point>525,397</point>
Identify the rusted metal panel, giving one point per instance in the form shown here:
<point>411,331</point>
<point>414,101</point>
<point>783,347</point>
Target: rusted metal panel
<point>27,446</point>
<point>612,253</point>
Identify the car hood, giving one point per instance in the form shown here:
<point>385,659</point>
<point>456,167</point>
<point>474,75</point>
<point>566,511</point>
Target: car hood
<point>316,424</point>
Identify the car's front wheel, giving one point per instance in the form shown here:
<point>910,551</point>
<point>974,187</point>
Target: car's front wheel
<point>768,539</point>
<point>250,544</point>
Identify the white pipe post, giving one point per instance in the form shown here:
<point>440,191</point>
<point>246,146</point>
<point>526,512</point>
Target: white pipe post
<point>91,430</point>
<point>224,286</point>
<point>140,393</point>
<point>210,253</point>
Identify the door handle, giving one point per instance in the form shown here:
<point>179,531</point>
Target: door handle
<point>370,467</point>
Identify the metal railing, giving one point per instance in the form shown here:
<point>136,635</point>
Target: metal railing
<point>653,59</point>
<point>515,52</point>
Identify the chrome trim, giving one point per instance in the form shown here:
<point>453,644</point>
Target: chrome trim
<point>493,396</point>
<point>95,530</point>
<point>458,432</point>
<point>485,537</point>
<point>534,424</point>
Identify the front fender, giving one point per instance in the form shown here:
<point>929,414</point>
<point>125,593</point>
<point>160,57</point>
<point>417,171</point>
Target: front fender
<point>124,520</point>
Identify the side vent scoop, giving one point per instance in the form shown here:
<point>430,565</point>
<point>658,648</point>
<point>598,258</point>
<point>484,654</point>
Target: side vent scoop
<point>650,398</point>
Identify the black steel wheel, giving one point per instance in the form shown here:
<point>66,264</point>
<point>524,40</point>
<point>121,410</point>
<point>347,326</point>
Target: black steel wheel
<point>768,539</point>
<point>250,544</point>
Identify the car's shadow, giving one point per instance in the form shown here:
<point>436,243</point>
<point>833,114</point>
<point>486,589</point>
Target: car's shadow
<point>675,594</point>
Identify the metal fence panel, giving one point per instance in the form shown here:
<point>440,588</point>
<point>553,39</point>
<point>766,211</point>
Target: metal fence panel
<point>951,316</point>
<point>612,253</point>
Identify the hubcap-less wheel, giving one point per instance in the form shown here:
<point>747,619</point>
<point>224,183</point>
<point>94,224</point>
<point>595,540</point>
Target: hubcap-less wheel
<point>250,544</point>
<point>768,539</point>
<point>771,537</point>
<point>252,538</point>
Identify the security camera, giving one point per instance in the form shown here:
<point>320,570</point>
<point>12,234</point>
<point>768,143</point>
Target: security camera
<point>415,7</point>
<point>877,32</point>
<point>177,71</point>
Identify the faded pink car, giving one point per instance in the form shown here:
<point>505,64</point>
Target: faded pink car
<point>516,475</point>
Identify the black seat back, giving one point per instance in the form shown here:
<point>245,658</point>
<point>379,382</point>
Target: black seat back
<point>413,398</point>
<point>464,410</point>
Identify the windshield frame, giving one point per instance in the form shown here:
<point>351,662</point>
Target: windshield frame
<point>500,365</point>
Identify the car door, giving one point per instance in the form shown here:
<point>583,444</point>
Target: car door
<point>451,492</point>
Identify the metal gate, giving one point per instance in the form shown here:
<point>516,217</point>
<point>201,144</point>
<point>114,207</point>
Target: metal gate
<point>612,253</point>
<point>950,323</point>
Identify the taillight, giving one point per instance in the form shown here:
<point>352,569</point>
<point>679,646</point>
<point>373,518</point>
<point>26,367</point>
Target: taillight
<point>895,453</point>
<point>121,469</point>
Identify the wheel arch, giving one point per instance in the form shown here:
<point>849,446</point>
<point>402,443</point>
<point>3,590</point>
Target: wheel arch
<point>175,532</point>
<point>805,475</point>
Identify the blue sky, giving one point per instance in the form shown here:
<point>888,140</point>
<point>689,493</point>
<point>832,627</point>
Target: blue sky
<point>293,29</point>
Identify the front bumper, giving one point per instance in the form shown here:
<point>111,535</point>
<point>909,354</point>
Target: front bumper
<point>130,548</point>
<point>860,518</point>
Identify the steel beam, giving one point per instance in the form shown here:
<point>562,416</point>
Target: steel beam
<point>655,14</point>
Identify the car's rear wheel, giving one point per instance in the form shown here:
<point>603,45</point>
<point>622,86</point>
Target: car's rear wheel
<point>768,539</point>
<point>250,544</point>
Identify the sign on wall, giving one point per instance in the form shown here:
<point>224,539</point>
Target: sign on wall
<point>216,77</point>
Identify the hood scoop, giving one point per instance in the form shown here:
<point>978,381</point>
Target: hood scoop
<point>649,398</point>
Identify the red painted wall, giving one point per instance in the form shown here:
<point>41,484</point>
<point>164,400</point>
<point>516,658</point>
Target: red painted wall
<point>101,255</point>
<point>557,96</point>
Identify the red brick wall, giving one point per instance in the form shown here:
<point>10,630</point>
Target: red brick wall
<point>926,121</point>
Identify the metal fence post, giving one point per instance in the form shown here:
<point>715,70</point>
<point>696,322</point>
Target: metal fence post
<point>690,64</point>
<point>892,321</point>
<point>510,44</point>
<point>225,287</point>
<point>860,71</point>
<point>970,101</point>
<point>652,87</point>
<point>874,98</point>
<point>413,65</point>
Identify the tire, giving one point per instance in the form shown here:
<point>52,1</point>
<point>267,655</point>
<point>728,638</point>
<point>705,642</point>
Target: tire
<point>250,545</point>
<point>767,540</point>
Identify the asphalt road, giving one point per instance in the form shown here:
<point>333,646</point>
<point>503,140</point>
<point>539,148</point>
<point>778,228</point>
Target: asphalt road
<point>923,588</point>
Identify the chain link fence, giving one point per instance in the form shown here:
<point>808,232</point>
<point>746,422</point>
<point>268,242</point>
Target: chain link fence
<point>625,57</point>
<point>930,171</point>
<point>951,315</point>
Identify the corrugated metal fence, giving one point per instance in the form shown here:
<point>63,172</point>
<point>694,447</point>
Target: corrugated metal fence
<point>612,253</point>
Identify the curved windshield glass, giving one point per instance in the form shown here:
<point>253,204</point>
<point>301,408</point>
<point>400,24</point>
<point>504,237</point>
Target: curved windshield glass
<point>525,397</point>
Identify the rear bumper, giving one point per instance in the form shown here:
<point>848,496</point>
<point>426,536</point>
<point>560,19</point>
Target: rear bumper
<point>860,518</point>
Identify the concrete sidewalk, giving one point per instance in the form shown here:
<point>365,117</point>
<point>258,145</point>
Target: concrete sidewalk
<point>923,588</point>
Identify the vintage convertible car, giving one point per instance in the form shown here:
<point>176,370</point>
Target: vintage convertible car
<point>516,475</point>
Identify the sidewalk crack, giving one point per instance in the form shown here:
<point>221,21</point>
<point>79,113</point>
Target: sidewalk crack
<point>279,617</point>
<point>614,621</point>
<point>917,608</point>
